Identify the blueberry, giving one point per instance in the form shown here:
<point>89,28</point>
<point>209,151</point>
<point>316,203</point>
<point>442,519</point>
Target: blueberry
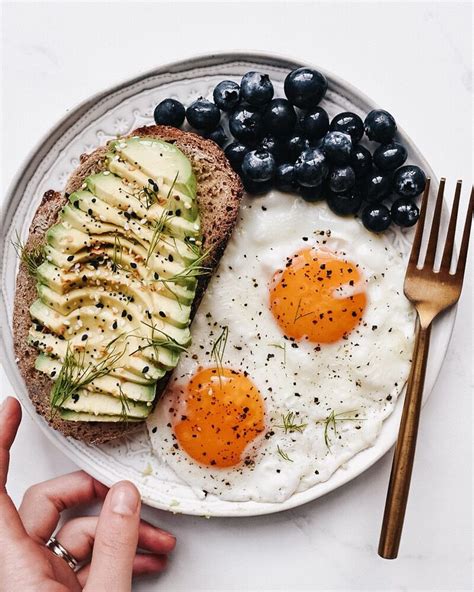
<point>203,115</point>
<point>380,126</point>
<point>388,157</point>
<point>276,146</point>
<point>235,153</point>
<point>345,203</point>
<point>376,217</point>
<point>279,118</point>
<point>218,136</point>
<point>361,160</point>
<point>315,123</point>
<point>337,147</point>
<point>169,112</point>
<point>256,88</point>
<point>295,145</point>
<point>285,178</point>
<point>312,193</point>
<point>348,123</point>
<point>246,125</point>
<point>227,95</point>
<point>311,167</point>
<point>259,165</point>
<point>376,186</point>
<point>341,178</point>
<point>305,87</point>
<point>255,188</point>
<point>404,212</point>
<point>409,181</point>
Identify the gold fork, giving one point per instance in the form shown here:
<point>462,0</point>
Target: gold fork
<point>431,292</point>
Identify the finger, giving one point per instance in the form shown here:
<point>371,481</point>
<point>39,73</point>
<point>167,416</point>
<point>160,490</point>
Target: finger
<point>142,565</point>
<point>77,536</point>
<point>116,540</point>
<point>53,497</point>
<point>10,417</point>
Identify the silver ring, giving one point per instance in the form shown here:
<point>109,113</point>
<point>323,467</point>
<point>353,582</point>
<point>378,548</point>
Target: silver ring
<point>55,546</point>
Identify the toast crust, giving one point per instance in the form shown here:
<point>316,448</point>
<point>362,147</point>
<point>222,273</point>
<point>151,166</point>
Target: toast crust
<point>219,192</point>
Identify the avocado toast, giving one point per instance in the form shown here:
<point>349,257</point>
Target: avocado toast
<point>128,251</point>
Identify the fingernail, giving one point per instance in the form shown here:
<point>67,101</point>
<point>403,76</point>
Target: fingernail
<point>125,499</point>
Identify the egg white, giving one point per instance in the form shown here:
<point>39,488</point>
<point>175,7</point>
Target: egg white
<point>358,378</point>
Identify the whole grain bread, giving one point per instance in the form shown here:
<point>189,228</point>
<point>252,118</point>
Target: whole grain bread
<point>219,191</point>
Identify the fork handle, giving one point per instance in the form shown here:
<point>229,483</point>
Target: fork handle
<point>402,466</point>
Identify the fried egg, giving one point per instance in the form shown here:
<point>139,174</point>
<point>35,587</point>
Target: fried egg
<point>301,345</point>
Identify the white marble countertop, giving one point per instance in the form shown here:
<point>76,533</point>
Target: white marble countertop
<point>413,59</point>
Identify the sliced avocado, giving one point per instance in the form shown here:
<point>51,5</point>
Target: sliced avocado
<point>174,312</point>
<point>59,323</point>
<point>114,191</point>
<point>85,402</point>
<point>78,219</point>
<point>55,347</point>
<point>78,416</point>
<point>104,384</point>
<point>120,273</point>
<point>62,281</point>
<point>158,160</point>
<point>139,193</point>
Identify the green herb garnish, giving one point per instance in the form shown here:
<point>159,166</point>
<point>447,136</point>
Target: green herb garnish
<point>74,375</point>
<point>125,405</point>
<point>155,342</point>
<point>331,422</point>
<point>283,454</point>
<point>31,258</point>
<point>117,254</point>
<point>279,346</point>
<point>289,423</point>
<point>218,349</point>
<point>159,225</point>
<point>193,270</point>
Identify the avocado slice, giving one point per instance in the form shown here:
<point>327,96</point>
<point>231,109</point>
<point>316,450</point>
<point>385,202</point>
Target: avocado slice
<point>69,415</point>
<point>101,404</point>
<point>107,384</point>
<point>120,273</point>
<point>158,160</point>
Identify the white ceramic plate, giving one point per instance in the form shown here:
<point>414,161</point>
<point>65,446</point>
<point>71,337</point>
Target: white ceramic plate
<point>118,111</point>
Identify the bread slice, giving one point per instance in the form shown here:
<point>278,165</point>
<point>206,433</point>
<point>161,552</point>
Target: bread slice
<point>219,192</point>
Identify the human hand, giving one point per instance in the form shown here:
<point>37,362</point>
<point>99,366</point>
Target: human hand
<point>105,546</point>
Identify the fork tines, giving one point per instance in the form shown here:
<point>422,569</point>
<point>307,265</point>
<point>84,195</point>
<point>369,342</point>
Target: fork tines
<point>447,257</point>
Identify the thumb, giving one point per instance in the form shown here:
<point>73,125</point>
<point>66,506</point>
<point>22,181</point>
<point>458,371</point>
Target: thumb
<point>116,540</point>
<point>10,522</point>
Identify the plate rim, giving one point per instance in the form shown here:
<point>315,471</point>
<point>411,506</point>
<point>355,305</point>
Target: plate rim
<point>36,154</point>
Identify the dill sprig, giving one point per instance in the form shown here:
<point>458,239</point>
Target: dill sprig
<point>279,346</point>
<point>331,422</point>
<point>300,316</point>
<point>195,269</point>
<point>218,349</point>
<point>32,258</point>
<point>117,254</point>
<point>289,423</point>
<point>158,228</point>
<point>219,345</point>
<point>283,454</point>
<point>150,193</point>
<point>75,375</point>
<point>125,405</point>
<point>161,222</point>
<point>155,342</point>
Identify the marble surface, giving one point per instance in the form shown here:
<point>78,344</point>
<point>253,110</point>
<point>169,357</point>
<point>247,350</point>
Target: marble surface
<point>413,59</point>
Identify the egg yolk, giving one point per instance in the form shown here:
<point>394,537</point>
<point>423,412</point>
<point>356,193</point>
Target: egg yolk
<point>317,297</point>
<point>223,413</point>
